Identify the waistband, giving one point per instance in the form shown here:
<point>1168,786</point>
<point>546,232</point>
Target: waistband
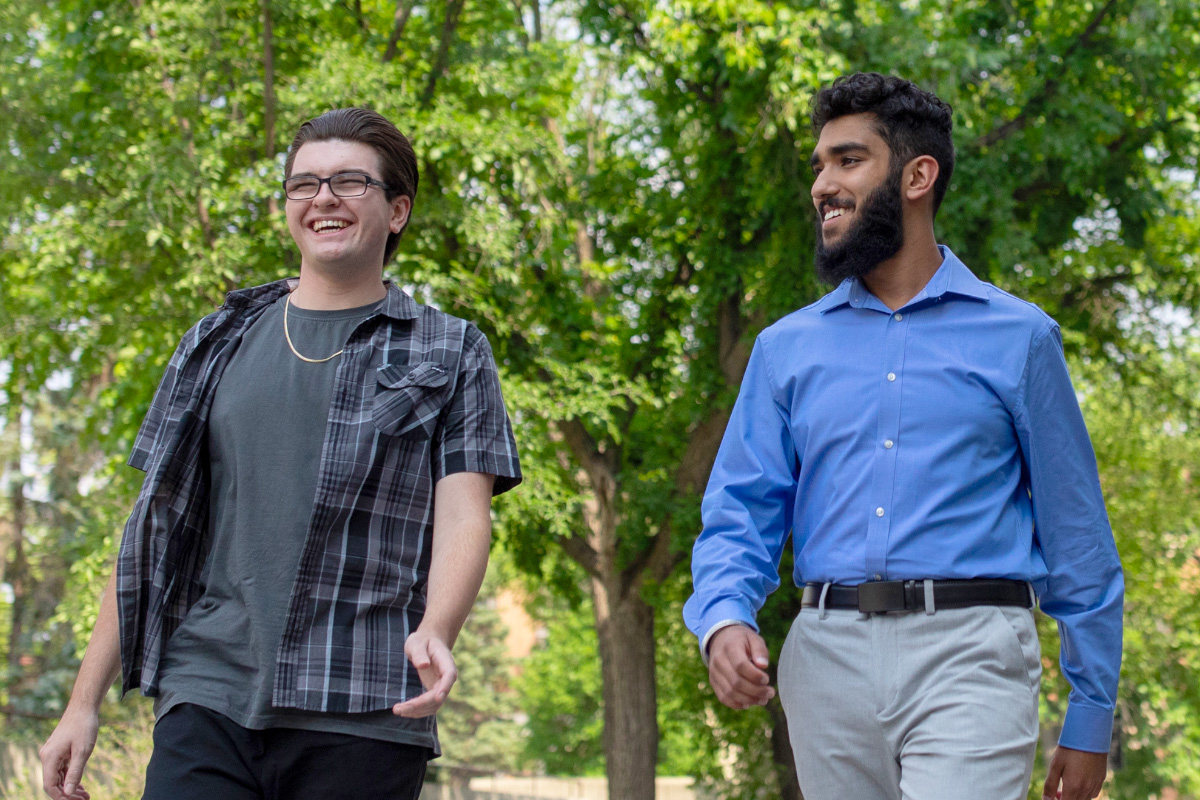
<point>881,597</point>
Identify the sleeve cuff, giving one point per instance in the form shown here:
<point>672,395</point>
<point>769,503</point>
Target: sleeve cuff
<point>1087,728</point>
<point>725,623</point>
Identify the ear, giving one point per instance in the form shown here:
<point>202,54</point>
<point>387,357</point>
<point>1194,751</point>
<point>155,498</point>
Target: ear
<point>401,207</point>
<point>920,175</point>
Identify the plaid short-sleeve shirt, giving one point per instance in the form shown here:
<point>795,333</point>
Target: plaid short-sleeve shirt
<point>416,397</point>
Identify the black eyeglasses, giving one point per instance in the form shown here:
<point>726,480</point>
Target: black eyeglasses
<point>344,184</point>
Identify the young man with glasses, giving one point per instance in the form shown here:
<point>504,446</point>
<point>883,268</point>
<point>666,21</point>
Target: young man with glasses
<point>314,526</point>
<point>916,434</point>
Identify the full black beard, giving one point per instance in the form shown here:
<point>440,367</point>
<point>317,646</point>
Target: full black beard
<point>876,236</point>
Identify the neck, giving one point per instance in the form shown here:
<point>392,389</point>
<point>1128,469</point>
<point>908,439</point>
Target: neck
<point>321,291</point>
<point>904,275</point>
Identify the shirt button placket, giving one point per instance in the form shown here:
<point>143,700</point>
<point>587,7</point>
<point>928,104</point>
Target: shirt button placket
<point>883,484</point>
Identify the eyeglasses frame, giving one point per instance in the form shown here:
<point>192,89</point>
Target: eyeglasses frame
<point>370,182</point>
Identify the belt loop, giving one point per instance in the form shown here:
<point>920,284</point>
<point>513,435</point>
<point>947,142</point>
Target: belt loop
<point>930,608</point>
<point>1033,603</point>
<point>821,602</point>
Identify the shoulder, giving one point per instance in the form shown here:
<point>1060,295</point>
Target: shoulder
<point>240,303</point>
<point>196,334</point>
<point>434,335</point>
<point>1018,314</point>
<point>435,324</point>
<point>784,331</point>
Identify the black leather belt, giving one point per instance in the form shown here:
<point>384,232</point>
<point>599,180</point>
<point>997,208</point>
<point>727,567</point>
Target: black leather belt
<point>879,597</point>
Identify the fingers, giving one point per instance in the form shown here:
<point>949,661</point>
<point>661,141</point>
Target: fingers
<point>422,705</point>
<point>737,668</point>
<point>1080,774</point>
<point>740,696</point>
<point>443,666</point>
<point>54,768</point>
<point>437,670</point>
<point>758,652</point>
<point>1053,778</point>
<point>75,772</point>
<point>417,650</point>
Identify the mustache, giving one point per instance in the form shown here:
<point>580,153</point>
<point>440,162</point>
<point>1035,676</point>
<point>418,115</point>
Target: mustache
<point>831,203</point>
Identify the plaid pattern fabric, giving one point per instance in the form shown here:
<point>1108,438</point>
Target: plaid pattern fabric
<point>416,397</point>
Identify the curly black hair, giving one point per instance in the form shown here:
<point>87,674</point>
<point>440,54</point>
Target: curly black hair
<point>912,121</point>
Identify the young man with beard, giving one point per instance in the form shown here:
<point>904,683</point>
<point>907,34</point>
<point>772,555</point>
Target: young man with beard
<point>314,525</point>
<point>916,433</point>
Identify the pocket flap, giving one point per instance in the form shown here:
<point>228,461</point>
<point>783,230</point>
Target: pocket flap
<point>430,374</point>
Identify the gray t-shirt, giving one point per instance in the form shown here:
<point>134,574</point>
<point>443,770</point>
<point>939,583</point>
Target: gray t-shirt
<point>265,435</point>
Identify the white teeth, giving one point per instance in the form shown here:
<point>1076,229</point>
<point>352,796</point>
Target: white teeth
<point>834,212</point>
<point>324,224</point>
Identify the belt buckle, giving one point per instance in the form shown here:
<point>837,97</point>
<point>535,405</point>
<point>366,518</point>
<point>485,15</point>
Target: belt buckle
<point>879,597</point>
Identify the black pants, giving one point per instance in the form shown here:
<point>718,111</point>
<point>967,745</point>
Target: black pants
<point>202,755</point>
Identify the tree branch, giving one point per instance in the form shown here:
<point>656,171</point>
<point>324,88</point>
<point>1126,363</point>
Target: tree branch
<point>655,562</point>
<point>449,24</point>
<point>359,19</point>
<point>16,712</point>
<point>581,553</point>
<point>404,10</point>
<point>587,453</point>
<point>1049,88</point>
<point>732,352</point>
<point>269,93</point>
<point>524,34</point>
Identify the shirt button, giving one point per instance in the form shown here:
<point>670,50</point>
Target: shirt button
<point>891,376</point>
<point>899,317</point>
<point>879,511</point>
<point>889,444</point>
<point>878,577</point>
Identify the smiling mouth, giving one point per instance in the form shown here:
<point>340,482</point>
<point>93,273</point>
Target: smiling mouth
<point>832,214</point>
<point>329,225</point>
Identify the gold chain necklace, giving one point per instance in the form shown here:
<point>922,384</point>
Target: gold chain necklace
<point>287,304</point>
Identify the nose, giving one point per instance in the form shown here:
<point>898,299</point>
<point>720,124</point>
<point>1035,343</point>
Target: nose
<point>325,195</point>
<point>822,187</point>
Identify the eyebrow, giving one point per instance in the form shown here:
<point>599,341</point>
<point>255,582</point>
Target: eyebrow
<point>838,150</point>
<point>361,170</point>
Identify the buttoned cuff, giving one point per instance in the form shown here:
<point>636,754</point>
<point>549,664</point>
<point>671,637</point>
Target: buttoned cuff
<point>1087,728</point>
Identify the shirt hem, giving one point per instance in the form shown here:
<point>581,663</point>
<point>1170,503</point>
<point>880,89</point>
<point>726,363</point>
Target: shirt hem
<point>312,722</point>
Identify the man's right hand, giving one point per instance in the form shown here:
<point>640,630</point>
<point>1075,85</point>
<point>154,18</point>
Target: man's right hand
<point>737,664</point>
<point>66,752</point>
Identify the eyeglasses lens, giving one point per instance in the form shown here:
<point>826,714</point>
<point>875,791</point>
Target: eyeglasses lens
<point>343,185</point>
<point>348,185</point>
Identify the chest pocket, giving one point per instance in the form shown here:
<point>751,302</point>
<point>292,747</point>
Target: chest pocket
<point>409,399</point>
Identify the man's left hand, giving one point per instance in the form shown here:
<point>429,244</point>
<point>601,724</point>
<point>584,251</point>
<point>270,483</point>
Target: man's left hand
<point>430,655</point>
<point>1080,773</point>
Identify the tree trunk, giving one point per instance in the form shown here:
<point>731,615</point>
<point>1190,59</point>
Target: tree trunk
<point>403,12</point>
<point>442,61</point>
<point>17,572</point>
<point>268,46</point>
<point>625,626</point>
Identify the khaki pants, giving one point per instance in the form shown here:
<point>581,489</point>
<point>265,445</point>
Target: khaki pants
<point>912,706</point>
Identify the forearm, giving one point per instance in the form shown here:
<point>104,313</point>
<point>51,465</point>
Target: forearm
<point>1084,585</point>
<point>462,532</point>
<point>102,659</point>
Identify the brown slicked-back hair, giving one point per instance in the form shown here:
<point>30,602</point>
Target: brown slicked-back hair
<point>397,160</point>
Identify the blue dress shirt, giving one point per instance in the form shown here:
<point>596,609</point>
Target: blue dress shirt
<point>940,440</point>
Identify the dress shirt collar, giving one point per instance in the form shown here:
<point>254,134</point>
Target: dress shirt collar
<point>952,278</point>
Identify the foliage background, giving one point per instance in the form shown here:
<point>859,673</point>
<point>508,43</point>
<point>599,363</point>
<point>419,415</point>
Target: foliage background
<point>615,190</point>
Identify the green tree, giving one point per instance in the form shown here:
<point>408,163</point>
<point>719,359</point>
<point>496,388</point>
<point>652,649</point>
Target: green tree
<point>615,189</point>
